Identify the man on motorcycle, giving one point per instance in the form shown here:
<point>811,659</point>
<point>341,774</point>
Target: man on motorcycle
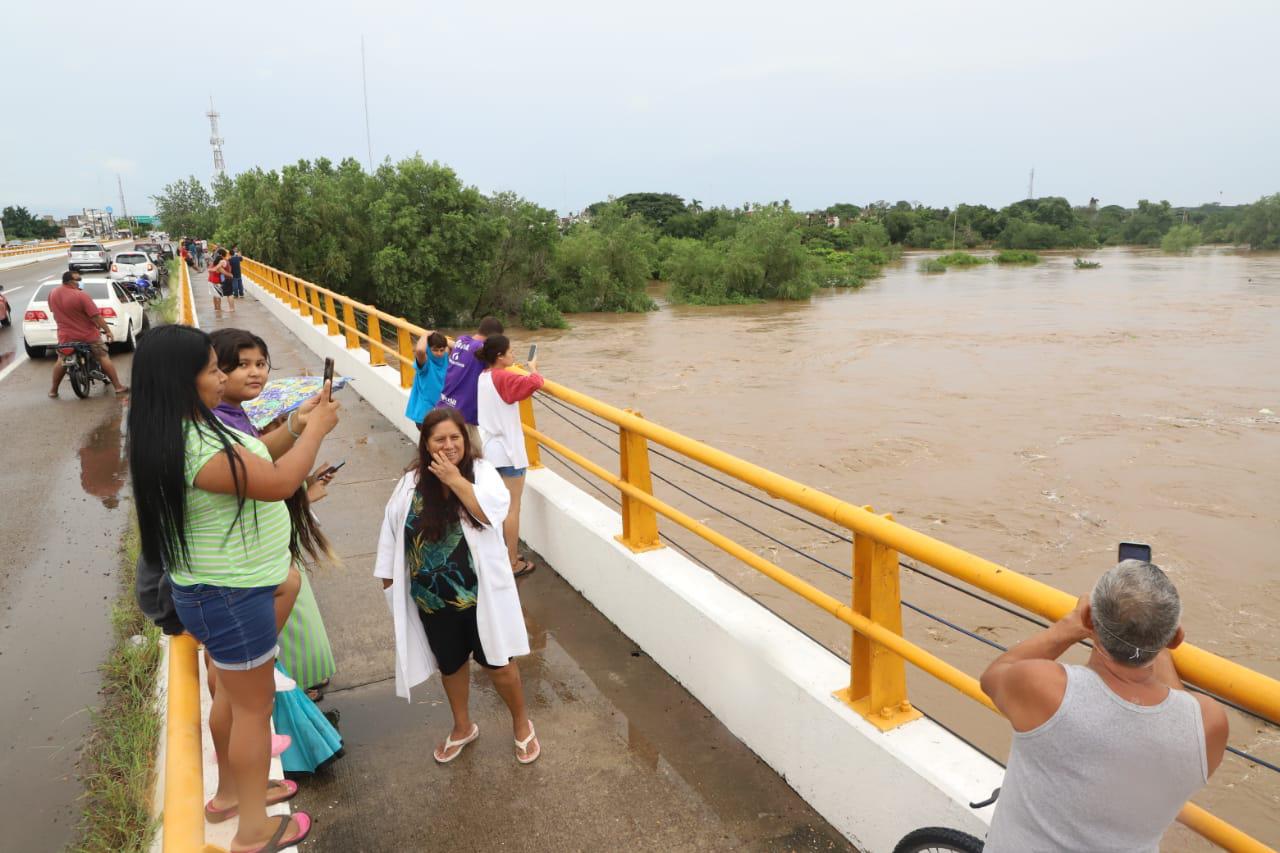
<point>79,319</point>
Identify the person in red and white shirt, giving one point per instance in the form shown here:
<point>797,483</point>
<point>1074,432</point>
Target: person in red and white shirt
<point>499,390</point>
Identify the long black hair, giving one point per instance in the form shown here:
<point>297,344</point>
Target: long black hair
<point>440,506</point>
<point>493,348</point>
<point>163,400</point>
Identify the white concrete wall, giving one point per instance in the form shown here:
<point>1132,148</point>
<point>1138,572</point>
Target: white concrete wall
<point>768,683</point>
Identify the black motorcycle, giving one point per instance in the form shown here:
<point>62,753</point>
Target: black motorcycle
<point>82,367</point>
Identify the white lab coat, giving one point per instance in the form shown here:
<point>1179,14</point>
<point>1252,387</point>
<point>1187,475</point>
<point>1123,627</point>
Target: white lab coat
<point>498,616</point>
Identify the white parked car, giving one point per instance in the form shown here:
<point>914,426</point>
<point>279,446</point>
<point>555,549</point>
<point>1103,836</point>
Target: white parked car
<point>124,315</point>
<point>82,255</point>
<point>133,265</point>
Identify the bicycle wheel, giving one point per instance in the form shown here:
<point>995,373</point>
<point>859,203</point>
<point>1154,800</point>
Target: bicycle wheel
<point>938,838</point>
<point>78,373</point>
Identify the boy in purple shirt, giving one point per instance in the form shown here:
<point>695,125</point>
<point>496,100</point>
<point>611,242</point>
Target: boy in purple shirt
<point>464,371</point>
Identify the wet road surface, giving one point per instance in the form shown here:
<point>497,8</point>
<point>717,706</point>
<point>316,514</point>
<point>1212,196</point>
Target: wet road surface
<point>62,475</point>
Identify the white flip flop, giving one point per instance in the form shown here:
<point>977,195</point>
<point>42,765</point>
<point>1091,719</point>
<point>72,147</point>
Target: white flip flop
<point>450,743</point>
<point>523,746</point>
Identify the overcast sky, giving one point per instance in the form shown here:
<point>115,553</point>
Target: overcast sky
<point>726,102</point>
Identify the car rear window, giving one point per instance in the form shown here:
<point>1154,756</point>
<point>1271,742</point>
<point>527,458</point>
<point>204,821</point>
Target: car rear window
<point>136,258</point>
<point>95,289</point>
<point>86,247</point>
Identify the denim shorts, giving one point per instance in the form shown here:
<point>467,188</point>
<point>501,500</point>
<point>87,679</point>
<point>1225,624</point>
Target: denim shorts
<point>236,626</point>
<point>511,472</point>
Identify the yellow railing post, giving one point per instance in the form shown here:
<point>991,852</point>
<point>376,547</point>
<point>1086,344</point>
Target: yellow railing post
<point>531,444</point>
<point>183,830</point>
<point>376,356</point>
<point>877,677</point>
<point>349,324</point>
<point>331,315</point>
<point>404,345</point>
<point>639,522</point>
<point>313,305</point>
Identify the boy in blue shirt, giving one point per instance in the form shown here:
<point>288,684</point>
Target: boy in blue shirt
<point>429,379</point>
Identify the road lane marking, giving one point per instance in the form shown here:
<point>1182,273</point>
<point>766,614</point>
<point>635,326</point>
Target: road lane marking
<point>16,289</point>
<point>18,358</point>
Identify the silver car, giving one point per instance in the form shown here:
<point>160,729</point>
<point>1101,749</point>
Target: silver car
<point>82,255</point>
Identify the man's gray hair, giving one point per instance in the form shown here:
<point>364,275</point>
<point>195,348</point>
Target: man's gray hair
<point>1136,611</point>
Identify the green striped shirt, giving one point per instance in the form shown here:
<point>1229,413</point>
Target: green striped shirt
<point>251,552</point>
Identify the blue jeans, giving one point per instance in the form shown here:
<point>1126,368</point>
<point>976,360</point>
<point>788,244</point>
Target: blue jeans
<point>511,472</point>
<point>237,287</point>
<point>237,626</point>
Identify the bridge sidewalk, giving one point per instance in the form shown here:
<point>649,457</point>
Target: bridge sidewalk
<point>630,759</point>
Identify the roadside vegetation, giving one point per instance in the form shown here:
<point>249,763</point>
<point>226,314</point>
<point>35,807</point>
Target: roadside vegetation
<point>415,240</point>
<point>118,762</point>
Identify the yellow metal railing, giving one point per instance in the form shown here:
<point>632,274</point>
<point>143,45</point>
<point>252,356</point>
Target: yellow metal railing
<point>877,684</point>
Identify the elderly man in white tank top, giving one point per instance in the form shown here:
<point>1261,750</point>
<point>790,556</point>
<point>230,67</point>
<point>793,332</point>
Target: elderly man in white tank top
<point>1104,755</point>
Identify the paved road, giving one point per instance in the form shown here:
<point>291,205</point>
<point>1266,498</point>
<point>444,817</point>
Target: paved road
<point>62,480</point>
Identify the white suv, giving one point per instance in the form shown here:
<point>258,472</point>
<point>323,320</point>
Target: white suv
<point>132,265</point>
<point>82,255</point>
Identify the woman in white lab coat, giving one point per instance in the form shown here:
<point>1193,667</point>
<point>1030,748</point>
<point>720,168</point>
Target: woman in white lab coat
<point>448,581</point>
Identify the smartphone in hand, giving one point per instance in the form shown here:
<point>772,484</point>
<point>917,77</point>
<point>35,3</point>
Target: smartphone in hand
<point>533,353</point>
<point>328,376</point>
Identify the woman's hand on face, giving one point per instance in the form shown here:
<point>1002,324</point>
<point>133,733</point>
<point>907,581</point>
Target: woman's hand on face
<point>445,471</point>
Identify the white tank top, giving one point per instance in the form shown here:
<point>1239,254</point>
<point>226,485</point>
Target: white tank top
<point>501,435</point>
<point>1101,775</point>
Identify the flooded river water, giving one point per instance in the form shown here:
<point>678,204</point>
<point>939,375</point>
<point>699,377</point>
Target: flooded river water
<point>1035,416</point>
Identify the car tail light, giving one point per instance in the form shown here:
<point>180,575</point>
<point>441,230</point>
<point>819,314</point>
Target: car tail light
<point>35,315</point>
<point>108,312</point>
<point>115,268</point>
<point>150,267</point>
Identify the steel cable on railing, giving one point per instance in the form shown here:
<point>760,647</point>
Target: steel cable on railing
<point>545,399</point>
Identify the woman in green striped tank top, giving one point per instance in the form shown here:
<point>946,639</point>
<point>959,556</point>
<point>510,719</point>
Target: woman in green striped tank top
<point>210,508</point>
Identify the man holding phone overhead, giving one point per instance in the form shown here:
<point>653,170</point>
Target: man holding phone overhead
<point>464,372</point>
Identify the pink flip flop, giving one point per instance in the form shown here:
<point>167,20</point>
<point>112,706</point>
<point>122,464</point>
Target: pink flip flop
<point>279,743</point>
<point>219,815</point>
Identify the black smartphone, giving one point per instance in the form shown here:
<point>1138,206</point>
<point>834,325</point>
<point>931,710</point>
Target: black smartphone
<point>332,469</point>
<point>533,353</point>
<point>1134,551</point>
<point>328,375</point>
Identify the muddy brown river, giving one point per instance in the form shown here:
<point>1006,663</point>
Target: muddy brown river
<point>1035,416</point>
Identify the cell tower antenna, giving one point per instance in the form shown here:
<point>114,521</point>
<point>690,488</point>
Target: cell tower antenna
<point>219,165</point>
<point>124,208</point>
<point>1031,184</point>
<point>364,83</point>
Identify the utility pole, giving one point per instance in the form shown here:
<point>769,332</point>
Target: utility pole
<point>219,165</point>
<point>364,83</point>
<point>124,208</point>
<point>1031,184</point>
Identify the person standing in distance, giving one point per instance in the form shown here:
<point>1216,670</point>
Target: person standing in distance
<point>79,319</point>
<point>237,283</point>
<point>1104,755</point>
<point>464,371</point>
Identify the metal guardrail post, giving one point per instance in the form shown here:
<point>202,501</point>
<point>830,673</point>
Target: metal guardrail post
<point>877,677</point>
<point>349,325</point>
<point>530,444</point>
<point>184,764</point>
<point>314,303</point>
<point>404,345</point>
<point>376,355</point>
<point>639,522</point>
<point>331,312</point>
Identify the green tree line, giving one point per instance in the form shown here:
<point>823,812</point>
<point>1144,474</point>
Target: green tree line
<point>20,224</point>
<point>415,240</point>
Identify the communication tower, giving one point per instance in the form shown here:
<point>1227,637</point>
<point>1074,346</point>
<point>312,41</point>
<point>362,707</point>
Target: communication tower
<point>1031,184</point>
<point>219,165</point>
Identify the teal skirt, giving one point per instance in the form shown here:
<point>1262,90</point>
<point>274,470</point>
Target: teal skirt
<point>316,742</point>
<point>305,653</point>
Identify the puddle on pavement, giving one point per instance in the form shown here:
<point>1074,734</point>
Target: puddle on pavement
<point>103,465</point>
